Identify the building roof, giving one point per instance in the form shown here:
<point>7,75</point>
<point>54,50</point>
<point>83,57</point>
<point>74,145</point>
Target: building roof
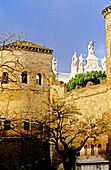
<point>28,46</point>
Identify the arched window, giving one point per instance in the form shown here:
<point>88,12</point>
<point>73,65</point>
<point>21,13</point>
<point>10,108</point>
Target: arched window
<point>85,150</point>
<point>38,79</point>
<point>5,77</point>
<point>99,149</point>
<point>92,150</point>
<point>24,77</point>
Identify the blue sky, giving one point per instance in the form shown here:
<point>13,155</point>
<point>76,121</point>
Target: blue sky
<point>65,26</point>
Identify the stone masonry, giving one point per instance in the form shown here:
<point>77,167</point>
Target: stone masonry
<point>29,99</point>
<point>107,15</point>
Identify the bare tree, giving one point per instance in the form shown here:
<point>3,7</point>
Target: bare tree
<point>63,126</point>
<point>10,69</point>
<point>8,37</point>
<point>68,131</point>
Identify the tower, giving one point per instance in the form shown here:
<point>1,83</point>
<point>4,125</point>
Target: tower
<point>107,15</point>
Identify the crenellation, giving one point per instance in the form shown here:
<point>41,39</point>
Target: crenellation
<point>106,11</point>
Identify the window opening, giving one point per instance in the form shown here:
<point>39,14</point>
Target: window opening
<point>38,79</point>
<point>92,149</point>
<point>24,77</point>
<point>85,150</point>
<point>26,125</point>
<point>5,77</point>
<point>99,148</point>
<point>7,124</point>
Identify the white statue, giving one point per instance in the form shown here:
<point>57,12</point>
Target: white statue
<point>103,63</point>
<point>74,60</point>
<point>74,65</point>
<point>91,48</point>
<point>81,60</point>
<point>54,65</point>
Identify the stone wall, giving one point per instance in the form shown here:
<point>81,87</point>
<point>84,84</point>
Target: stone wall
<point>32,62</point>
<point>30,97</point>
<point>91,101</point>
<point>24,153</point>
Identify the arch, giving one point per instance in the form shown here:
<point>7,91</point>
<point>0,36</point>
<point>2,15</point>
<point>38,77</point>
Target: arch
<point>85,150</point>
<point>92,150</point>
<point>39,79</point>
<point>24,77</point>
<point>99,149</point>
<point>5,77</point>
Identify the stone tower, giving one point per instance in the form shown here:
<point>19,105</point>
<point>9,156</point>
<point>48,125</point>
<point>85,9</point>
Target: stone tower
<point>107,15</point>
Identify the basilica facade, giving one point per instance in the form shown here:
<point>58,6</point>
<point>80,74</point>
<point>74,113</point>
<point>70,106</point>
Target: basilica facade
<point>81,65</point>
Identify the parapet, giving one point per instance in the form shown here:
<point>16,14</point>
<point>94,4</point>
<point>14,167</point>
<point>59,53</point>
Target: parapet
<point>106,11</point>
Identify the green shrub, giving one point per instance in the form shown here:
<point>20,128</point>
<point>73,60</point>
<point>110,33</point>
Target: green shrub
<point>82,79</point>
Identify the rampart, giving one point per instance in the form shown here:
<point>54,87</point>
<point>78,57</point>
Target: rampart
<point>91,101</point>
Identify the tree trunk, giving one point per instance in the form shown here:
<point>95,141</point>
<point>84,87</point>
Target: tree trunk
<point>69,163</point>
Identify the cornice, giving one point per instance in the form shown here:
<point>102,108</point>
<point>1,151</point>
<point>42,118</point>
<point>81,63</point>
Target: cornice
<point>106,11</point>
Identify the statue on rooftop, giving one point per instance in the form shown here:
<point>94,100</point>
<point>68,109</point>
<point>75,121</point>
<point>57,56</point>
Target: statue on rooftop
<point>74,60</point>
<point>81,60</point>
<point>103,61</point>
<point>91,48</point>
<point>74,65</point>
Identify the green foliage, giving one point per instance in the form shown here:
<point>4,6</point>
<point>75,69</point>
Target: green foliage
<point>37,81</point>
<point>82,79</point>
<point>71,146</point>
